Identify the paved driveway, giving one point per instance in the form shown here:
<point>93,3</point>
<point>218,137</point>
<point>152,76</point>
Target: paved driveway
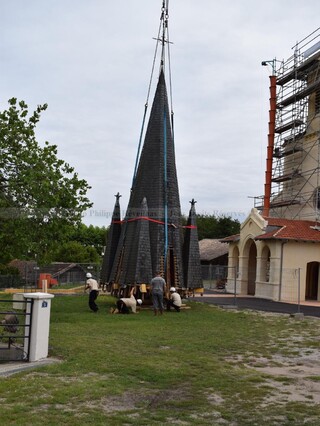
<point>247,302</point>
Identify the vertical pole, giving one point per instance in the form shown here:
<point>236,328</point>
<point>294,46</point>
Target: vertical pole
<point>298,290</point>
<point>28,326</point>
<point>272,125</point>
<point>163,18</point>
<point>235,286</point>
<point>165,189</point>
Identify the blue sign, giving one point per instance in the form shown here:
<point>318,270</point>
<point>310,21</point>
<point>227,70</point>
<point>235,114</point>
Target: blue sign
<point>44,304</point>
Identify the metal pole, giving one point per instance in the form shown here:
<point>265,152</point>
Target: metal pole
<point>298,290</point>
<point>165,189</point>
<point>271,136</point>
<point>30,302</point>
<point>235,285</point>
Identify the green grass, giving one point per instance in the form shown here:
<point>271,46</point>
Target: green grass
<point>191,368</point>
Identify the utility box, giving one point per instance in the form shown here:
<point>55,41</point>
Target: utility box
<point>36,342</point>
<point>50,281</point>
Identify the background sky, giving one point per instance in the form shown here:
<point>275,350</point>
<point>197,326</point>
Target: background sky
<point>90,61</point>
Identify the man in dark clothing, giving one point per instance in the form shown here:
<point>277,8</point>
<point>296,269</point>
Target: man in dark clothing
<point>158,286</point>
<point>93,287</point>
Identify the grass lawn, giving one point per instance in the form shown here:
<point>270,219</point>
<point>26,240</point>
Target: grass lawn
<point>202,366</point>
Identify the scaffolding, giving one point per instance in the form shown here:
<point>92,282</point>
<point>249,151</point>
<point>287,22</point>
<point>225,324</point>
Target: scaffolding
<point>293,148</point>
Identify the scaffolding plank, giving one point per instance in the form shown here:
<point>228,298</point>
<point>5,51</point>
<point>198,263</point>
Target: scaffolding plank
<point>299,71</point>
<point>288,126</point>
<point>293,138</point>
<point>300,95</point>
<point>284,203</point>
<point>284,178</point>
<point>278,153</point>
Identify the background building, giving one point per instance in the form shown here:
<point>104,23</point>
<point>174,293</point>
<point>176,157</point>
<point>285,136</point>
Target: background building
<point>277,253</point>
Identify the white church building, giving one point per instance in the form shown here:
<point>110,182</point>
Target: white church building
<point>277,253</point>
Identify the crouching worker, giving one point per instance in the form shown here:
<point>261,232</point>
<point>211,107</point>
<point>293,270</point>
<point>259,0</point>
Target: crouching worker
<point>126,303</point>
<point>174,301</point>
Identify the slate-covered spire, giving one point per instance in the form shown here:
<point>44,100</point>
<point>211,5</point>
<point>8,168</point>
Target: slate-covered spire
<point>111,242</point>
<point>142,252</point>
<point>156,182</point>
<point>151,237</point>
<point>191,253</point>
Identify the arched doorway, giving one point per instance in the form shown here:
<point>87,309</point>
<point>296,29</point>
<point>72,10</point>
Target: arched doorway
<point>252,269</point>
<point>312,280</point>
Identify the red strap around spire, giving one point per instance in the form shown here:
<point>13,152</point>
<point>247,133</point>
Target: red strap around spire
<point>151,220</point>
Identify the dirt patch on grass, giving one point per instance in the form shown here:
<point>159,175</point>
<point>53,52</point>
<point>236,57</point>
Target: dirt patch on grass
<point>132,400</point>
<point>293,374</point>
<point>294,379</point>
<point>128,401</point>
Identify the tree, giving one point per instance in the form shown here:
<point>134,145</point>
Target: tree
<point>8,270</point>
<point>41,196</point>
<point>75,252</point>
<point>210,226</point>
<point>85,245</point>
<point>94,236</point>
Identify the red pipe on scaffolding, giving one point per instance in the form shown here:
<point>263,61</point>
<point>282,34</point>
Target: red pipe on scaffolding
<point>272,126</point>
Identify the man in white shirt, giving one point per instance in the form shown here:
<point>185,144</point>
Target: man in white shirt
<point>126,303</point>
<point>93,286</point>
<point>175,300</point>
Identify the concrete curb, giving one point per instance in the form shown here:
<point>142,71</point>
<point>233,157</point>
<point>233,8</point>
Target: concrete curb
<point>11,368</point>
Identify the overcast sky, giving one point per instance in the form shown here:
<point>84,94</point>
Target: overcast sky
<point>90,61</point>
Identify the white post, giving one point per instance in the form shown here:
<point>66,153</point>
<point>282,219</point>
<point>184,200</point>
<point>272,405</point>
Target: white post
<point>40,324</point>
<point>44,286</point>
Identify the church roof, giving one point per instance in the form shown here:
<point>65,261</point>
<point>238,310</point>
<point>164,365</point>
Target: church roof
<point>191,251</point>
<point>112,242</point>
<point>289,229</point>
<point>151,238</point>
<point>155,182</point>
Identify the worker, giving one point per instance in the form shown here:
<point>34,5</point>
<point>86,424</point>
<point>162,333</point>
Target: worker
<point>174,301</point>
<point>124,304</point>
<point>93,287</point>
<point>158,286</point>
